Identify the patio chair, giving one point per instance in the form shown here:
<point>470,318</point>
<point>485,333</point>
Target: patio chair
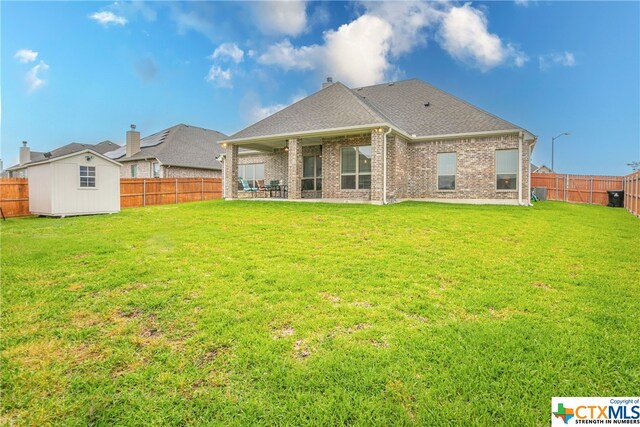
<point>246,187</point>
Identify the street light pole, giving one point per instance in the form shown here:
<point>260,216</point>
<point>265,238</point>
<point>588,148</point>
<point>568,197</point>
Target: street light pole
<point>552,153</point>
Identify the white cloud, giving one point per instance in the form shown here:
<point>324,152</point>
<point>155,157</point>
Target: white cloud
<point>465,36</point>
<point>194,16</point>
<point>288,57</point>
<point>564,59</point>
<point>362,52</point>
<point>34,77</point>
<point>525,3</point>
<point>219,77</point>
<point>26,55</point>
<point>288,18</point>
<point>228,50</point>
<point>357,52</point>
<point>107,18</point>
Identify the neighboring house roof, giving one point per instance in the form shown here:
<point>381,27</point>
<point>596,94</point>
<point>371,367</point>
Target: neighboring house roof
<point>540,169</point>
<point>74,147</point>
<point>413,107</point>
<point>181,145</point>
<point>71,154</point>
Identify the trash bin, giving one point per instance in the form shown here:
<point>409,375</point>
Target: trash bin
<point>616,198</point>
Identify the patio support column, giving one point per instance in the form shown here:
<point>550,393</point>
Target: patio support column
<point>377,165</point>
<point>294,178</point>
<point>231,172</point>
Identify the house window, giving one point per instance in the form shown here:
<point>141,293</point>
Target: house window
<point>155,169</point>
<point>506,169</point>
<point>312,173</point>
<point>134,171</point>
<point>88,176</point>
<point>253,173</point>
<point>355,168</point>
<point>446,171</point>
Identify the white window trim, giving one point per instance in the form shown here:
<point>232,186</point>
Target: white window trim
<point>95,187</point>
<point>495,175</point>
<point>455,176</point>
<point>264,166</point>
<point>152,175</point>
<point>357,172</point>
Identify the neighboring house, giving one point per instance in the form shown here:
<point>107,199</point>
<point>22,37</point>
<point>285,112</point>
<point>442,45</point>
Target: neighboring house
<point>181,151</point>
<point>27,156</point>
<point>80,183</point>
<point>540,169</point>
<point>382,143</point>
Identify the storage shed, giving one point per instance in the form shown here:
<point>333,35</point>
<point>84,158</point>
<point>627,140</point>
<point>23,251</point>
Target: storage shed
<point>81,183</point>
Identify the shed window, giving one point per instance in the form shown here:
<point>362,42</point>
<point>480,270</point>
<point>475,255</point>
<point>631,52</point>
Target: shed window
<point>507,169</point>
<point>446,171</point>
<point>88,176</point>
<point>355,168</point>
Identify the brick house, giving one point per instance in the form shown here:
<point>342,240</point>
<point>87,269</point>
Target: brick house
<point>396,141</point>
<point>181,151</point>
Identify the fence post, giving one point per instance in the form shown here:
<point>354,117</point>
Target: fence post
<point>591,192</point>
<point>201,189</point>
<point>556,187</point>
<point>144,192</point>
<point>176,190</point>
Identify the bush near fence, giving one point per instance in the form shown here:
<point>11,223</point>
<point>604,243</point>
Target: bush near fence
<point>14,192</point>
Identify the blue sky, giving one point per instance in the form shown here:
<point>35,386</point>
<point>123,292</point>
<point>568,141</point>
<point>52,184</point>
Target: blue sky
<point>83,71</point>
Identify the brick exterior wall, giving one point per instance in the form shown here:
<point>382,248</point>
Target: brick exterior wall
<point>178,172</point>
<point>294,179</point>
<point>231,173</point>
<point>475,169</point>
<point>144,171</point>
<point>331,167</point>
<point>275,164</point>
<point>412,167</point>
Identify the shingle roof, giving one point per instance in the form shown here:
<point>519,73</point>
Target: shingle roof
<point>399,104</point>
<point>404,104</point>
<point>74,147</point>
<point>333,107</point>
<point>181,145</point>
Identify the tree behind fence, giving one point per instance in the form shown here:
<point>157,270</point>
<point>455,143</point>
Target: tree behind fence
<point>14,192</point>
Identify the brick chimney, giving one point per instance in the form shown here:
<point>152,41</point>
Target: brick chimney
<point>133,141</point>
<point>329,82</point>
<point>25,153</point>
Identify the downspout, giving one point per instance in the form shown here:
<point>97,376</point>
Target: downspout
<point>529,193</point>
<point>520,168</point>
<point>384,165</point>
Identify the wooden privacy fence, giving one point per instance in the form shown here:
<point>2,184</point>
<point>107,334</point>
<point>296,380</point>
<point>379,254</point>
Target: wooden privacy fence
<point>577,188</point>
<point>160,191</point>
<point>14,196</point>
<point>14,192</point>
<point>631,187</point>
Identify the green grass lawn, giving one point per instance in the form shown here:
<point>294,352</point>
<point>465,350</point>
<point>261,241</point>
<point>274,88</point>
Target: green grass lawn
<point>243,313</point>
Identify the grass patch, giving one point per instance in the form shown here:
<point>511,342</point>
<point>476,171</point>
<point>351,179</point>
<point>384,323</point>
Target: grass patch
<point>292,313</point>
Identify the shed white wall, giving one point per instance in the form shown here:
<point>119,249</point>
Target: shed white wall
<point>40,189</point>
<point>66,195</point>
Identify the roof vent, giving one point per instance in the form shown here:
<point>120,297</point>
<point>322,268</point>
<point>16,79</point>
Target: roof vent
<point>47,155</point>
<point>391,84</point>
<point>24,143</point>
<point>427,104</point>
<point>133,127</point>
